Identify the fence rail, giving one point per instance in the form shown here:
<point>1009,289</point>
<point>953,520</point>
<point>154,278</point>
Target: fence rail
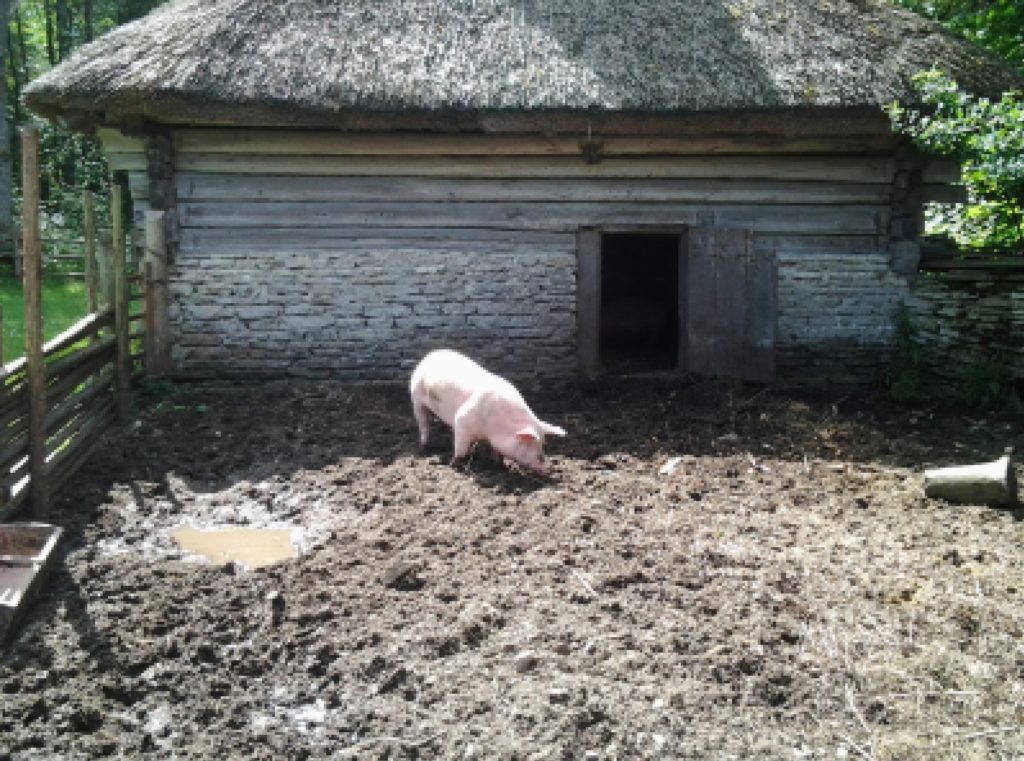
<point>79,393</point>
<point>57,400</point>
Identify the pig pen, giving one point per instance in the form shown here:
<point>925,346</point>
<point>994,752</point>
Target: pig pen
<point>712,572</point>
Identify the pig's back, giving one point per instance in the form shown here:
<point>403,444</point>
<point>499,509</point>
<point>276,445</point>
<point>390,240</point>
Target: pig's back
<point>445,379</point>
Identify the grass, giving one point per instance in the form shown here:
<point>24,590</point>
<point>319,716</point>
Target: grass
<point>64,303</point>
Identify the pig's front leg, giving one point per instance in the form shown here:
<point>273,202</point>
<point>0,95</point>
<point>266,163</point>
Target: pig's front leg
<point>423,415</point>
<point>464,428</point>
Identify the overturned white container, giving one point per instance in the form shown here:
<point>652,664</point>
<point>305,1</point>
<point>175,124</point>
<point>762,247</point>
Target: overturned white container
<point>990,483</point>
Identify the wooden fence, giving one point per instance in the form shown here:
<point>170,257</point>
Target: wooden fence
<point>57,400</point>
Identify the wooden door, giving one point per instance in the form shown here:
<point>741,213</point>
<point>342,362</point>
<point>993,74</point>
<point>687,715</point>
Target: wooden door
<point>730,305</point>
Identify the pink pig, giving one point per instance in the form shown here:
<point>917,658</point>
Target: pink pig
<point>478,405</point>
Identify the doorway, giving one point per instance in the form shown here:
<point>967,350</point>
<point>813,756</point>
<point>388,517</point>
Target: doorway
<point>638,323</point>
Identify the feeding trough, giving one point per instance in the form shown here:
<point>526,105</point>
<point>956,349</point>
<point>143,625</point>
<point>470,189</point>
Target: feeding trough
<point>26,553</point>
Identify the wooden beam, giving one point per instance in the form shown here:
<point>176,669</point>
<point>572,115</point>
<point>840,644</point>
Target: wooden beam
<point>325,143</point>
<point>34,357</point>
<point>864,169</point>
<point>158,330</point>
<point>90,250</point>
<point>270,188</point>
<point>123,361</point>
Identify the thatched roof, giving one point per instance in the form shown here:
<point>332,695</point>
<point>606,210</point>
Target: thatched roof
<point>318,62</point>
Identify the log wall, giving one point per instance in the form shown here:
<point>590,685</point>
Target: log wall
<point>322,254</point>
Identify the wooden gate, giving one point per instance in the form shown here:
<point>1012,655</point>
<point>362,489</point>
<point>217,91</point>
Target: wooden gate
<point>730,306</point>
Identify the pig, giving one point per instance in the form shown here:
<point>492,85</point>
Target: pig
<point>479,406</point>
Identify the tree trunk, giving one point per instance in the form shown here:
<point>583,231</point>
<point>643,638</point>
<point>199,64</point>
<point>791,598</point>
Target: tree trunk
<point>64,34</point>
<point>51,50</point>
<point>990,483</point>
<point>87,18</point>
<point>6,222</point>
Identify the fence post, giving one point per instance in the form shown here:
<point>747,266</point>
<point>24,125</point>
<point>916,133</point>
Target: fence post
<point>105,270</point>
<point>90,250</point>
<point>158,345</point>
<point>35,366</point>
<point>1,334</point>
<point>17,238</point>
<point>123,371</point>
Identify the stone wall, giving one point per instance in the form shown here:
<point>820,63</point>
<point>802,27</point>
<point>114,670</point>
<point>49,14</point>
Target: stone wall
<point>965,321</point>
<point>836,315</point>
<point>370,315</point>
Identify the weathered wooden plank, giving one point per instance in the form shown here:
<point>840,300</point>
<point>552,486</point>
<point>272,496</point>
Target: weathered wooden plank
<point>67,461</point>
<point>213,242</point>
<point>588,302</point>
<point>324,143</point>
<point>85,327</point>
<point>158,331</point>
<point>138,186</point>
<point>813,244</point>
<point>126,162</point>
<point>100,385</point>
<point>121,303</point>
<point>731,305</point>
<point>123,153</point>
<point>32,286</point>
<point>239,188</point>
<point>703,338</point>
<point>809,218</point>
<point>860,169</point>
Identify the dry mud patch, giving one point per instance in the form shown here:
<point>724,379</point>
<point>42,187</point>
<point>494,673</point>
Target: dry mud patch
<point>785,592</point>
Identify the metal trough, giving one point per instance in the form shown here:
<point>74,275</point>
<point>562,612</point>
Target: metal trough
<point>26,554</point>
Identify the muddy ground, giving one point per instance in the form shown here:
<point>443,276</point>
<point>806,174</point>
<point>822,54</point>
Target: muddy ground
<point>786,592</point>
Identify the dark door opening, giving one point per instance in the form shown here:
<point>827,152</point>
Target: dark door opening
<point>639,309</point>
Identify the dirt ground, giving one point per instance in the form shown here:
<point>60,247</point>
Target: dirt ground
<point>785,592</point>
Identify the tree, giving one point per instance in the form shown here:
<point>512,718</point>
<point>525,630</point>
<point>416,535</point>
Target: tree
<point>996,25</point>
<point>988,137</point>
<point>6,220</point>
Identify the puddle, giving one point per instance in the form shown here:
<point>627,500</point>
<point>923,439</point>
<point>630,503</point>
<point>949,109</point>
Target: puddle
<point>251,547</point>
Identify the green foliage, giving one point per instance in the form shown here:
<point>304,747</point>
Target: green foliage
<point>63,305</point>
<point>988,137</point>
<point>986,384</point>
<point>996,25</point>
<point>903,378</point>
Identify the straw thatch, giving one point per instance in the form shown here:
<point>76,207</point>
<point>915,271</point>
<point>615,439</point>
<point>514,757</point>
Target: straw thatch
<point>311,61</point>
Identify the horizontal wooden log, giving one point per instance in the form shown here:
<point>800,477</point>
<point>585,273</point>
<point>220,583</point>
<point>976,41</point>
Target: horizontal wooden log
<point>84,328</point>
<point>241,188</point>
<point>983,483</point>
<point>859,169</point>
<point>13,473</point>
<point>816,244</point>
<point>64,463</point>
<point>15,448</point>
<point>102,347</point>
<point>214,242</point>
<point>13,505</point>
<point>13,396</point>
<point>79,374</point>
<point>323,143</point>
<point>809,218</point>
<point>78,403</point>
<point>941,170</point>
<point>944,193</point>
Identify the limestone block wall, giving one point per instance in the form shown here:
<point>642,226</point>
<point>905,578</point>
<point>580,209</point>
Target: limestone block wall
<point>835,315</point>
<point>371,314</point>
<point>964,322</point>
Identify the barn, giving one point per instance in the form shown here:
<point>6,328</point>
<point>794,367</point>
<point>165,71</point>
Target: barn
<point>663,186</point>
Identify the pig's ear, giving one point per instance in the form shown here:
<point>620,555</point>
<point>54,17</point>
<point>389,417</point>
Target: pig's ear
<point>527,434</point>
<point>551,430</point>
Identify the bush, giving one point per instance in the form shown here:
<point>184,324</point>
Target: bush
<point>903,378</point>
